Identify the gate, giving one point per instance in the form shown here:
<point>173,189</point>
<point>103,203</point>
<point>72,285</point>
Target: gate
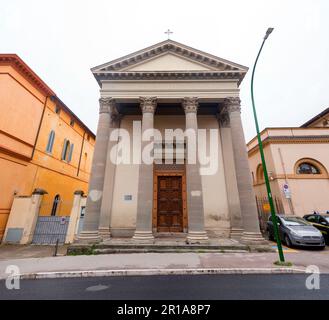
<point>263,208</point>
<point>49,229</point>
<point>53,221</point>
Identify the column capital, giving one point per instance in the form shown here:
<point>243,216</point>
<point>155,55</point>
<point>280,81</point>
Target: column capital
<point>223,118</point>
<point>148,104</point>
<point>106,104</point>
<point>190,104</point>
<point>115,115</point>
<point>232,104</point>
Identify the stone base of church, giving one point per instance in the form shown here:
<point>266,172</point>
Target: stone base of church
<point>197,237</point>
<point>104,233</point>
<point>143,237</point>
<point>165,245</point>
<point>122,232</point>
<point>253,238</point>
<point>88,237</point>
<point>236,233</point>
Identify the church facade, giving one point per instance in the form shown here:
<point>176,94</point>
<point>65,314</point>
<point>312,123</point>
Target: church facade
<point>170,155</point>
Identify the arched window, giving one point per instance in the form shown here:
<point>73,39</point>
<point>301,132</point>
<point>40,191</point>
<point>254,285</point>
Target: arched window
<point>56,201</point>
<point>50,143</point>
<point>70,153</point>
<point>260,174</point>
<point>67,150</point>
<point>307,168</point>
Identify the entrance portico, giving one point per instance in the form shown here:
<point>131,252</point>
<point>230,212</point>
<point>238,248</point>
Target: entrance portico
<point>170,86</point>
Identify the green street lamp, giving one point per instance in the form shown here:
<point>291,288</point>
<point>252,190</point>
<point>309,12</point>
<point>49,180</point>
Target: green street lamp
<point>261,151</point>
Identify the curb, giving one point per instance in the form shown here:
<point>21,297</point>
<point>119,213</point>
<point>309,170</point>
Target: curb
<point>149,272</point>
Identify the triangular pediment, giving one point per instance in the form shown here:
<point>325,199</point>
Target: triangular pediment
<point>170,54</point>
<point>169,62</point>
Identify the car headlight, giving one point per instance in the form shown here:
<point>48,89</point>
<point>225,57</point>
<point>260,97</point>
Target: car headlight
<point>295,234</point>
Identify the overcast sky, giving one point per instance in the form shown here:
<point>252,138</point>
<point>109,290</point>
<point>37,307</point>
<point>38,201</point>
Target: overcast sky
<point>61,41</point>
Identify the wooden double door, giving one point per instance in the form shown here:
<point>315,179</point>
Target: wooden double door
<point>170,204</point>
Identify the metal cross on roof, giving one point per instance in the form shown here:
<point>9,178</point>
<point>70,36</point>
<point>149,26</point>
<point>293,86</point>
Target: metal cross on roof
<point>168,32</point>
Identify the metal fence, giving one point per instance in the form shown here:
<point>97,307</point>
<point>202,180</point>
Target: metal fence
<point>50,229</point>
<point>53,221</point>
<point>263,208</point>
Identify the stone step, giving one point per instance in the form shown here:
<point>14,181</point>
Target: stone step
<point>165,250</point>
<point>103,248</point>
<point>172,246</point>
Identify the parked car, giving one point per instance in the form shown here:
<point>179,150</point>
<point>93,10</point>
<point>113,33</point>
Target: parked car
<point>321,222</point>
<point>295,231</point>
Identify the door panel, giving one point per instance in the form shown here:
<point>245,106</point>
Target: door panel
<point>170,208</point>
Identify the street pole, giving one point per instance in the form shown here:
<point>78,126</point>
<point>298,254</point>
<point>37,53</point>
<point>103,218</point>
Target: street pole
<point>261,151</point>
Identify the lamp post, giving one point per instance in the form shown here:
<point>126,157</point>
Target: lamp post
<point>261,151</point>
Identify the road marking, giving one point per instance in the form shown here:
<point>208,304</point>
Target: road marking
<point>97,288</point>
<point>285,249</point>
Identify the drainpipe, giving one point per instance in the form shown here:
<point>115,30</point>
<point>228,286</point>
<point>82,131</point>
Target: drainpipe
<point>39,128</point>
<point>82,144</point>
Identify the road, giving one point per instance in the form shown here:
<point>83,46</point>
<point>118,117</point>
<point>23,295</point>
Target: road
<point>190,287</point>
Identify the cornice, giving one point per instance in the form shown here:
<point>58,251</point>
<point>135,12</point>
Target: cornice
<point>18,64</point>
<point>294,176</point>
<point>169,75</point>
<point>291,139</point>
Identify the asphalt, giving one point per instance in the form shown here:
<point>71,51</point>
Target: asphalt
<point>196,287</point>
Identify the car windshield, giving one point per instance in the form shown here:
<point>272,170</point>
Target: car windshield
<point>294,221</point>
<point>327,218</point>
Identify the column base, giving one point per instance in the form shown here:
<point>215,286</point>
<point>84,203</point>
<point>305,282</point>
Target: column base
<point>194,237</point>
<point>236,233</point>
<point>143,237</point>
<point>88,237</point>
<point>253,238</point>
<point>104,233</point>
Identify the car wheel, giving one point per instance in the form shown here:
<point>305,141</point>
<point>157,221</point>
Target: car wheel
<point>287,241</point>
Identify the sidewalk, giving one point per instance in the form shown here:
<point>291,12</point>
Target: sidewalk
<point>13,251</point>
<point>164,263</point>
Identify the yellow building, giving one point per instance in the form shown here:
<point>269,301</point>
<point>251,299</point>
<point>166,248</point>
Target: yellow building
<point>297,160</point>
<point>43,144</point>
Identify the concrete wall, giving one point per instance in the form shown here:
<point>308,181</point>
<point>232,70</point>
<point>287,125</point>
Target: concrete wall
<point>24,215</point>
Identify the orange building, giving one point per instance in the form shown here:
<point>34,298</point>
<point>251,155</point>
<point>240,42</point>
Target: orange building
<point>43,144</point>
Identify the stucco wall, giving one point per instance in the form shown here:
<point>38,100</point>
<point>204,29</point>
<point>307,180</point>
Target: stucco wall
<point>126,183</point>
<point>308,192</point>
<point>126,180</point>
<point>25,166</point>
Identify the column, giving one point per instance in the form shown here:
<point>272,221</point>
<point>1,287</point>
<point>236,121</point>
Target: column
<point>196,232</point>
<point>108,187</point>
<point>251,233</point>
<point>143,231</point>
<point>96,181</point>
<point>230,174</point>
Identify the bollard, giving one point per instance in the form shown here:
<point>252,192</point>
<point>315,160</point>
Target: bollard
<point>56,248</point>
